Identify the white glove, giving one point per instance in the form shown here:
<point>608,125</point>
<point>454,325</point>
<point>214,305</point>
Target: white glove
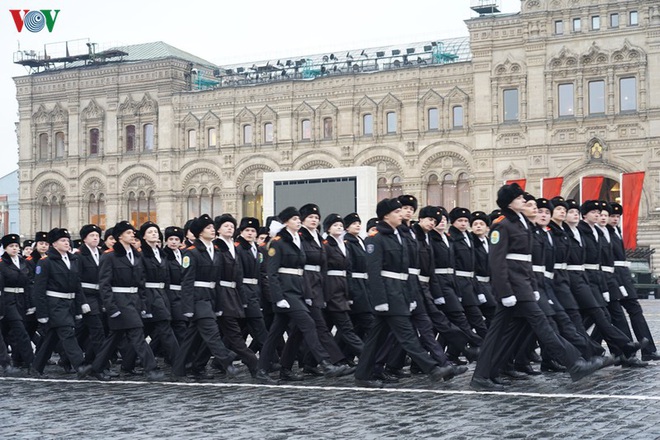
<point>42,320</point>
<point>413,305</point>
<point>350,302</point>
<point>283,304</point>
<point>85,308</point>
<point>114,315</point>
<point>606,296</point>
<point>482,298</point>
<point>1,317</point>
<point>78,317</point>
<point>308,302</point>
<point>439,301</point>
<point>245,306</point>
<point>509,301</point>
<point>550,302</point>
<point>537,295</point>
<point>188,315</point>
<point>146,315</point>
<point>623,290</point>
<point>31,311</point>
<point>382,308</point>
<point>218,313</point>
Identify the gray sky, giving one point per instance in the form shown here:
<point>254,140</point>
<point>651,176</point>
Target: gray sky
<point>225,32</point>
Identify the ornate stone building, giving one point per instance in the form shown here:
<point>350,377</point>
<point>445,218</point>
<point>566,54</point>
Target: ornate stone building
<point>563,88</point>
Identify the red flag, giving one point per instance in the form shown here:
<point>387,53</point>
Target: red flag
<point>631,194</point>
<point>590,188</point>
<point>521,182</point>
<point>551,187</point>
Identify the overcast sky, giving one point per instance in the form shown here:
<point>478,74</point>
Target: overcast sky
<point>225,32</point>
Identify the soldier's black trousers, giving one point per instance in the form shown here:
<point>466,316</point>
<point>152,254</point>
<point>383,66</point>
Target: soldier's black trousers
<point>206,330</point>
<point>19,340</point>
<point>65,335</point>
<point>136,342</point>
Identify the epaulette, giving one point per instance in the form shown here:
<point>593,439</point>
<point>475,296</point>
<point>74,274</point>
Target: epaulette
<point>216,248</point>
<point>236,244</point>
<point>548,228</point>
<point>499,219</point>
<point>45,256</point>
<point>263,244</point>
<point>29,258</point>
<point>108,251</point>
<point>325,241</point>
<point>277,238</point>
<point>372,233</point>
<point>190,248</point>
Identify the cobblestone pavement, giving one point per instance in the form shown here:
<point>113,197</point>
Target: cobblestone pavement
<point>614,403</point>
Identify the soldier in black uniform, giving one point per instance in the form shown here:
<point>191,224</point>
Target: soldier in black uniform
<point>27,248</point>
<point>387,260</point>
<point>479,223</point>
<point>201,274</point>
<point>108,240</point>
<point>174,258</point>
<point>514,286</point>
<point>41,246</point>
<point>91,333</point>
<point>59,300</point>
<point>15,296</point>
<point>629,299</point>
<point>251,261</point>
<point>121,283</point>
<point>286,262</point>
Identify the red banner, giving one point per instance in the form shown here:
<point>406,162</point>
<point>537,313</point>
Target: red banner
<point>631,194</point>
<point>521,182</point>
<point>551,187</point>
<point>590,188</point>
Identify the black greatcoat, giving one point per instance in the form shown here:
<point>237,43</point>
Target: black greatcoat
<point>251,267</point>
<point>463,261</point>
<point>15,304</point>
<point>198,266</point>
<point>443,258</point>
<point>336,287</point>
<point>283,253</point>
<point>175,273</point>
<point>358,290</point>
<point>230,301</point>
<point>314,256</point>
<point>157,303</point>
<point>89,273</point>
<point>117,271</point>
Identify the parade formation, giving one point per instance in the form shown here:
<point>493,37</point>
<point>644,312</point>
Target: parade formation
<point>536,281</point>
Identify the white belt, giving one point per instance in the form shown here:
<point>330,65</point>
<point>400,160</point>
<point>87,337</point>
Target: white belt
<point>394,275</point>
<point>154,285</point>
<point>60,295</point>
<point>424,279</point>
<point>361,275</point>
<point>89,286</point>
<point>336,273</point>
<point>14,290</point>
<point>250,281</point>
<point>622,263</point>
<point>577,267</point>
<point>229,284</point>
<point>592,266</point>
<point>291,271</point>
<point>519,257</point>
<point>462,273</point>
<point>444,271</point>
<point>560,266</point>
<point>206,284</point>
<point>609,269</point>
<point>175,287</point>
<point>549,275</point>
<point>312,268</point>
<point>483,279</point>
<point>538,268</point>
<point>414,271</point>
<point>125,289</point>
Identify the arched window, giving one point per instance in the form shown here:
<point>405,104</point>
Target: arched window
<point>268,132</point>
<point>96,209</point>
<point>59,144</point>
<point>203,201</point>
<point>383,189</point>
<point>396,189</point>
<point>448,192</point>
<point>193,204</point>
<point>192,138</point>
<point>463,191</point>
<point>53,212</point>
<point>43,146</point>
<point>148,137</point>
<point>434,191</point>
<point>253,198</point>
<point>306,133</point>
<point>94,141</point>
<point>141,207</point>
<point>212,138</point>
<point>130,138</point>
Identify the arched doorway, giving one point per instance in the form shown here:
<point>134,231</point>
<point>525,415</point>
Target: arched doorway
<point>610,191</point>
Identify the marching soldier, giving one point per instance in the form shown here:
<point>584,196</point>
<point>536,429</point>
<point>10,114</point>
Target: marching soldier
<point>174,259</point>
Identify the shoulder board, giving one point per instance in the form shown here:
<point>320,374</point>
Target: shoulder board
<point>236,244</point>
<point>372,233</point>
<point>548,228</point>
<point>277,238</point>
<point>499,219</point>
<point>216,248</point>
<point>325,241</point>
<point>139,249</point>
<point>190,248</point>
<point>108,251</point>
<point>45,256</point>
<point>29,258</point>
<point>263,244</point>
<point>0,259</point>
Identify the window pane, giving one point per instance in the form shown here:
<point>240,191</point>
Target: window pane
<point>434,192</point>
<point>596,97</point>
<point>192,138</point>
<point>628,94</point>
<point>577,25</point>
<point>595,22</point>
<point>59,144</point>
<point>391,122</point>
<point>148,136</point>
<point>94,141</point>
<point>511,105</point>
<point>458,116</point>
<point>634,18</point>
<point>268,132</point>
<point>193,204</point>
<point>448,193</point>
<point>614,20</point>
<point>327,128</point>
<point>212,138</point>
<point>382,189</point>
<point>559,27</point>
<point>130,138</point>
<point>306,129</point>
<point>43,146</point>
<point>247,134</point>
<point>205,202</point>
<point>368,125</point>
<point>566,100</point>
<point>463,191</point>
<point>433,119</point>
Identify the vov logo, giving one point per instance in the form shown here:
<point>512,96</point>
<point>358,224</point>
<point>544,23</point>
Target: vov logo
<point>34,21</point>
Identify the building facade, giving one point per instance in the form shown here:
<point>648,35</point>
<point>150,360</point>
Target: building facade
<point>564,88</point>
